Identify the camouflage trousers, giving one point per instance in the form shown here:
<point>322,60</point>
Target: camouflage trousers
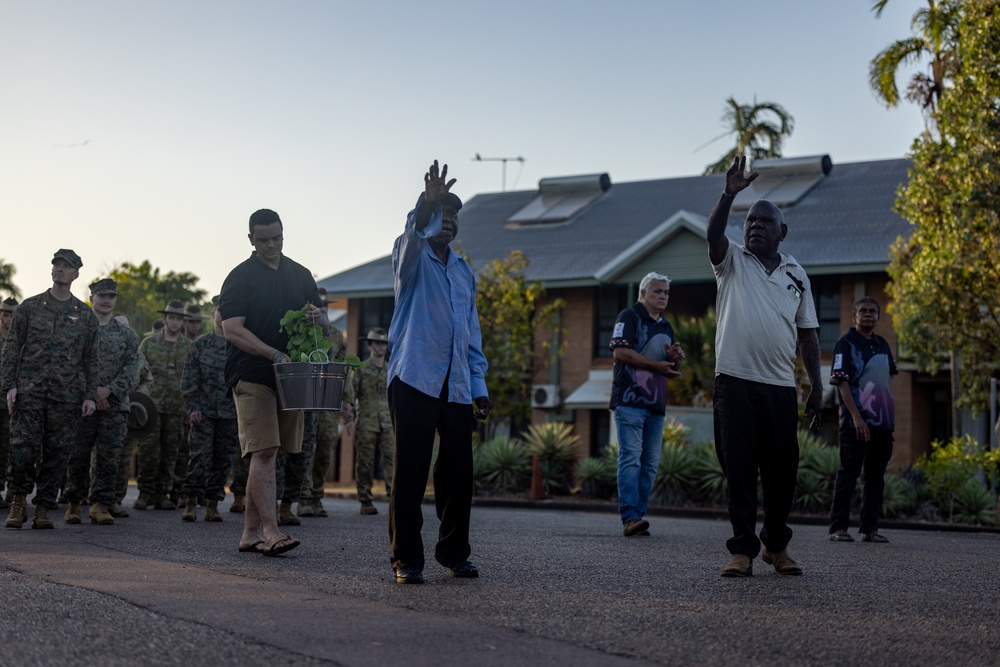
<point>124,468</point>
<point>290,469</point>
<point>211,445</point>
<point>158,456</point>
<point>327,439</point>
<point>4,444</point>
<point>241,470</point>
<point>104,434</point>
<point>183,460</point>
<point>41,432</point>
<point>365,443</point>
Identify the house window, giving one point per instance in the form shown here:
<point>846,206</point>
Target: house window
<point>373,313</point>
<point>826,296</point>
<point>609,301</point>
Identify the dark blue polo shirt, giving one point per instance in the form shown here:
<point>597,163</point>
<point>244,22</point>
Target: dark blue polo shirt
<point>632,387</point>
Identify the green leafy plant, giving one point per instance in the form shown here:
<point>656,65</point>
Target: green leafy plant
<point>307,342</point>
<point>900,497</point>
<point>503,465</point>
<point>596,476</point>
<point>709,476</point>
<point>555,446</point>
<point>974,503</point>
<point>947,469</point>
<point>676,474</point>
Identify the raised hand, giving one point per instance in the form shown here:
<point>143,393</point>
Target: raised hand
<point>436,186</point>
<point>736,177</point>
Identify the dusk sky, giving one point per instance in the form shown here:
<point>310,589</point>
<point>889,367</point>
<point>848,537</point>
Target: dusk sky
<point>134,130</point>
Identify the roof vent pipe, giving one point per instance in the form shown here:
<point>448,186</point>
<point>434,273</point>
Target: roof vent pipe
<point>575,185</point>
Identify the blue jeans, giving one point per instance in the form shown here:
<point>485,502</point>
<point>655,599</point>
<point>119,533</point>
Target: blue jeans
<point>640,441</point>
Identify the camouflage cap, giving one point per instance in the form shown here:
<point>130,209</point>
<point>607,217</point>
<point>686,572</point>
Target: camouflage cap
<point>175,307</point>
<point>104,286</point>
<point>377,334</point>
<point>69,257</point>
<point>193,314</point>
<point>9,305</point>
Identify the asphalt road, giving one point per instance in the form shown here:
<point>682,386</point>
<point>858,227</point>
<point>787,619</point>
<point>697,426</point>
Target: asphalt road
<point>558,587</point>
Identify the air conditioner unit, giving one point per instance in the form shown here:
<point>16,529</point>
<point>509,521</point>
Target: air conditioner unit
<point>545,396</point>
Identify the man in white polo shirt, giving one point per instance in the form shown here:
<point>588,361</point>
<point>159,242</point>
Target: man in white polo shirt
<point>765,310</point>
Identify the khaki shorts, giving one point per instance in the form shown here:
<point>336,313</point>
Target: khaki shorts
<point>262,423</point>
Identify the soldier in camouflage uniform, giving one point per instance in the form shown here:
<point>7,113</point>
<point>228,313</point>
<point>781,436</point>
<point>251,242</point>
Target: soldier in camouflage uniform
<point>214,436</point>
<point>193,326</point>
<point>104,432</point>
<point>7,309</point>
<point>165,351</point>
<point>291,469</point>
<point>327,435</point>
<point>48,373</point>
<point>373,425</point>
<point>144,386</point>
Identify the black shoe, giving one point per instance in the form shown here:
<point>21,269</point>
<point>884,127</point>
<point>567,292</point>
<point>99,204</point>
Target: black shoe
<point>409,575</point>
<point>466,570</point>
<point>635,527</point>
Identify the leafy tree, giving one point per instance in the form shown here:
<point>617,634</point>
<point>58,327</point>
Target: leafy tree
<point>143,290</point>
<point>7,286</point>
<point>510,311</point>
<point>935,38</point>
<point>760,129</point>
<point>945,278</point>
<point>697,337</point>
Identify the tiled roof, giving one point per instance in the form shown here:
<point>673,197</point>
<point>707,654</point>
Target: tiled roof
<point>846,219</point>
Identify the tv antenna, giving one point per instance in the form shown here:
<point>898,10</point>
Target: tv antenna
<point>504,161</point>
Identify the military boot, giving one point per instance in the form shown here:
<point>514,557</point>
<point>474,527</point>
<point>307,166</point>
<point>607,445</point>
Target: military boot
<point>163,503</point>
<point>190,512</point>
<point>18,512</point>
<point>100,515</point>
<point>212,511</point>
<point>306,507</point>
<point>318,507</point>
<point>285,516</point>
<point>42,519</point>
<point>239,504</point>
<point>118,511</point>
<point>72,513</point>
<point>142,502</point>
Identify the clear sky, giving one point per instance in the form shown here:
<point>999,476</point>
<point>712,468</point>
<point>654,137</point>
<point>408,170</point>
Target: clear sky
<point>139,129</point>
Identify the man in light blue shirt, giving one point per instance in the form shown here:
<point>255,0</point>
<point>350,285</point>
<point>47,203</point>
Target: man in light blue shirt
<point>437,383</point>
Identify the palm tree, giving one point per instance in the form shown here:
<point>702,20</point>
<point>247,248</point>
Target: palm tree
<point>760,130</point>
<point>935,37</point>
<point>7,285</point>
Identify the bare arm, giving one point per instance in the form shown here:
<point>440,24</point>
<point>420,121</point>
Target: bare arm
<point>243,338</point>
<point>809,347</point>
<point>736,180</point>
<point>860,427</point>
<point>630,357</point>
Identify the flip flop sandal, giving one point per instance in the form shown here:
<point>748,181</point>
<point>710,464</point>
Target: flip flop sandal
<point>256,547</point>
<point>874,537</point>
<point>841,536</point>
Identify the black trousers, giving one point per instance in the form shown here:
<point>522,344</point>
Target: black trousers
<point>855,455</point>
<point>756,430</point>
<point>416,417</point>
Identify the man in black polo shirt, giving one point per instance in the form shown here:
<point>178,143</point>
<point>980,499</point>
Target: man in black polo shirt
<point>645,356</point>
<point>255,296</point>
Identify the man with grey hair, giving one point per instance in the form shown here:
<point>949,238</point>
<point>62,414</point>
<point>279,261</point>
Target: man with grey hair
<point>646,354</point>
<point>765,315</point>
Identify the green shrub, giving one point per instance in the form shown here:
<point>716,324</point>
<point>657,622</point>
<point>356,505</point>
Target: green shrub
<point>812,491</point>
<point>597,477</point>
<point>503,464</point>
<point>675,475</point>
<point>900,497</point>
<point>555,446</point>
<point>948,468</point>
<point>974,503</point>
<point>709,478</point>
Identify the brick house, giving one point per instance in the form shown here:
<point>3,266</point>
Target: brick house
<point>591,242</point>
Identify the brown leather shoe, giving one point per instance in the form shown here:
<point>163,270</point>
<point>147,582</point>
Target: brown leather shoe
<point>782,562</point>
<point>635,527</point>
<point>738,566</point>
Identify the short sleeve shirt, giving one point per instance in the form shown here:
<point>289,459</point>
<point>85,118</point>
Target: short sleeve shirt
<point>635,387</point>
<point>866,365</point>
<point>759,316</point>
<point>263,295</point>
